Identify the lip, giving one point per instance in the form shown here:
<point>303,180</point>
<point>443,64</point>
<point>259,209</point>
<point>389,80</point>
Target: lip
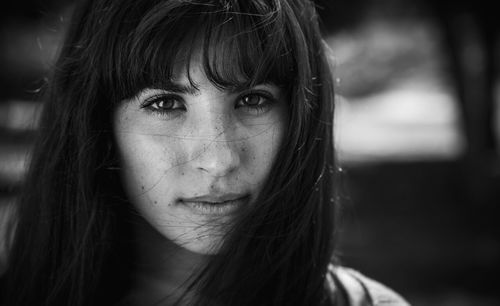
<point>215,205</point>
<point>216,198</point>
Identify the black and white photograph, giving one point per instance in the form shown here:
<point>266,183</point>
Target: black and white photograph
<point>249,153</point>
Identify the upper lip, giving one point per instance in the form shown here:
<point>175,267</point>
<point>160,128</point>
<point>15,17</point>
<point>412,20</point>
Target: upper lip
<point>216,198</point>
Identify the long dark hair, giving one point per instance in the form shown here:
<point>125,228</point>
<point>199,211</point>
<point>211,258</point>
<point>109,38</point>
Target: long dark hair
<point>67,249</point>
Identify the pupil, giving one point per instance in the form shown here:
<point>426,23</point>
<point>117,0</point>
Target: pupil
<point>252,100</point>
<point>166,103</point>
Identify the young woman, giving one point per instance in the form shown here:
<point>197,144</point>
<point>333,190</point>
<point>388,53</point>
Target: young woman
<point>185,157</point>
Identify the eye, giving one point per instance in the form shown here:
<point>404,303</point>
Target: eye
<point>255,102</point>
<point>165,104</point>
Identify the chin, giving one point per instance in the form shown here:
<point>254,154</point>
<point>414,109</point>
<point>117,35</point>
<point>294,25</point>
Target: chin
<point>201,239</point>
<point>201,245</point>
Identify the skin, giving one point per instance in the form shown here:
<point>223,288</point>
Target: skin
<point>190,158</point>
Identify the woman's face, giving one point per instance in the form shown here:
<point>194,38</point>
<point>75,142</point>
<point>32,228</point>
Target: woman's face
<point>192,156</point>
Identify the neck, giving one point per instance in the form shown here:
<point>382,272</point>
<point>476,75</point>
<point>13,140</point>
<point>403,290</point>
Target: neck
<point>163,269</point>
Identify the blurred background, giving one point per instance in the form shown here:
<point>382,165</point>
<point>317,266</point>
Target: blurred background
<point>417,132</point>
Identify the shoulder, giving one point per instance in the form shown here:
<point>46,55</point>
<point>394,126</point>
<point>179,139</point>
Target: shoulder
<point>348,287</point>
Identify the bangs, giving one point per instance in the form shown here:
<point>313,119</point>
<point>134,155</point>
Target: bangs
<point>239,45</point>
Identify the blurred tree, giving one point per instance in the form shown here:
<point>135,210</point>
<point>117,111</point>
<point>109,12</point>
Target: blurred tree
<point>471,32</point>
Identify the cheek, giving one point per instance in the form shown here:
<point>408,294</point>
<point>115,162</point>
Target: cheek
<point>145,159</point>
<point>264,145</point>
<point>150,172</point>
<point>150,168</point>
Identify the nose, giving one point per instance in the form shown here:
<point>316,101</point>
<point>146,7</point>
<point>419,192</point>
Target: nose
<point>216,154</point>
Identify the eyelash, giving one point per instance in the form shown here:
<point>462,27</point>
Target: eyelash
<point>151,104</point>
<point>266,100</point>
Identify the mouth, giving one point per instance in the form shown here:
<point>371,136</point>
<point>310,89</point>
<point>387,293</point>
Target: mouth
<point>215,205</point>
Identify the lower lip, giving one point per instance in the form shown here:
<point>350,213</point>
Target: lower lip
<point>216,209</point>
